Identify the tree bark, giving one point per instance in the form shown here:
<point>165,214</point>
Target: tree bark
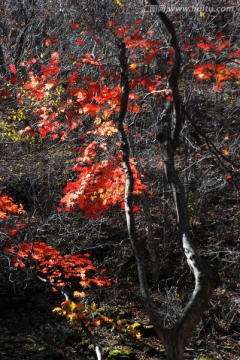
<point>175,338</point>
<point>128,199</point>
<point>205,278</point>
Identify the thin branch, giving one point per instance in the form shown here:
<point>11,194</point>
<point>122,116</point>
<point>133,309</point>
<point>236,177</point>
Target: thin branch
<point>210,144</point>
<point>67,293</point>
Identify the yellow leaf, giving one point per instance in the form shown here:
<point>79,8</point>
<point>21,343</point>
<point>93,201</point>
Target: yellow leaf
<point>119,2</point>
<point>59,311</point>
<point>135,325</point>
<point>93,306</point>
<point>133,66</point>
<point>98,120</point>
<point>72,305</point>
<point>202,14</point>
<point>78,294</point>
<point>69,305</point>
<point>71,317</point>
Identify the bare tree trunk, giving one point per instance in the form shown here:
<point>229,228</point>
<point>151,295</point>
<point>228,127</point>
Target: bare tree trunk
<point>128,199</point>
<point>174,339</point>
<point>174,346</point>
<point>205,278</point>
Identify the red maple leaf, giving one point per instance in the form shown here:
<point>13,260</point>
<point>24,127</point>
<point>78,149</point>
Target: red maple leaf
<point>12,68</point>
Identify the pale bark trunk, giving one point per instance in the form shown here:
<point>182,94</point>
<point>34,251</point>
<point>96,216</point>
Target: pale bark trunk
<point>174,339</point>
<point>205,278</point>
<point>128,200</point>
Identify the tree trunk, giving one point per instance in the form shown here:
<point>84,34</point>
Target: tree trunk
<point>174,346</point>
<point>174,339</point>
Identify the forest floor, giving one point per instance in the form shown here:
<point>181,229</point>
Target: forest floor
<point>29,329</point>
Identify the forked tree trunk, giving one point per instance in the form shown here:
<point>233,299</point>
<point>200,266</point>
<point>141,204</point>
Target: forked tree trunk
<point>206,279</point>
<point>175,338</point>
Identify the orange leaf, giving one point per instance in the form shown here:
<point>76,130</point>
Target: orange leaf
<point>48,42</point>
<point>133,66</point>
<point>96,323</point>
<point>136,108</point>
<point>225,152</point>
<point>79,294</point>
<point>55,56</point>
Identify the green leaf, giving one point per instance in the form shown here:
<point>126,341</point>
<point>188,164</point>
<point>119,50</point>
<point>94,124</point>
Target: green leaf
<point>30,340</point>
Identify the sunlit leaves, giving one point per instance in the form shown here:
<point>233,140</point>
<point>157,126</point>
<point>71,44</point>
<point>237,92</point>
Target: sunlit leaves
<point>219,72</point>
<point>73,312</point>
<point>57,268</point>
<point>107,128</point>
<point>8,206</point>
<point>133,66</point>
<point>88,59</point>
<point>91,109</point>
<point>119,2</point>
<point>90,316</point>
<point>205,46</point>
<point>79,294</point>
<point>225,151</point>
<point>77,312</point>
<point>99,185</point>
<point>87,106</point>
<point>213,69</point>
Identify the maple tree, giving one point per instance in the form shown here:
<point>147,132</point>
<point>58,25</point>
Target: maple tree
<point>95,109</point>
<point>102,102</point>
<point>43,258</point>
<point>50,266</point>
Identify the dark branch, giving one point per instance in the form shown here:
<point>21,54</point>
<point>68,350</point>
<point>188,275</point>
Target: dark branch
<point>174,76</point>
